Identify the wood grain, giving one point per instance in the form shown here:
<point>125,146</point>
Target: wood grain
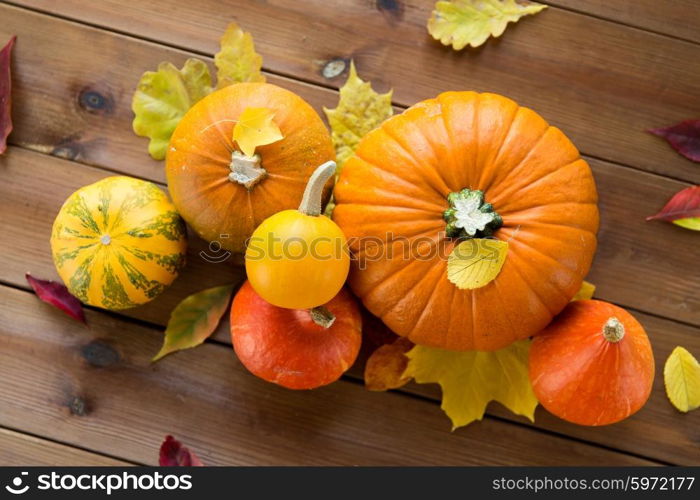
<point>602,83</point>
<point>627,264</point>
<point>677,18</point>
<point>17,449</point>
<point>95,387</point>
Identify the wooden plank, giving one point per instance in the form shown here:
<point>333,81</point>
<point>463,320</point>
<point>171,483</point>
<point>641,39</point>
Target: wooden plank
<point>656,432</point>
<point>83,112</point>
<point>602,83</point>
<point>677,18</point>
<point>95,387</point>
<point>632,265</point>
<point>18,449</point>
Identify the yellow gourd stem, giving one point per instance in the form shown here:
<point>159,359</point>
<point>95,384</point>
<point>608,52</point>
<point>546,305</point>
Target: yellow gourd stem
<point>311,202</point>
<point>613,330</point>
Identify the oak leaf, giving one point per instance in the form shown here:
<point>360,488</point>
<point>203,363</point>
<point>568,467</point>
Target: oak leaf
<point>360,110</point>
<point>682,380</point>
<point>471,379</point>
<point>471,22</point>
<point>194,319</point>
<point>163,97</point>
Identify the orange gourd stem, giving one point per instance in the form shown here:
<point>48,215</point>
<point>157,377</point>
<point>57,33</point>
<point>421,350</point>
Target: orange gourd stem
<point>613,330</point>
<point>246,170</point>
<point>469,216</point>
<point>311,205</point>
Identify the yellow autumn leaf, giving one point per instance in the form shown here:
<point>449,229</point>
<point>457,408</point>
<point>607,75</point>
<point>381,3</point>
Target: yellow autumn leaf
<point>255,127</point>
<point>585,292</point>
<point>470,22</point>
<point>360,110</point>
<point>476,262</point>
<point>237,60</point>
<point>471,379</point>
<point>163,97</point>
<point>682,380</point>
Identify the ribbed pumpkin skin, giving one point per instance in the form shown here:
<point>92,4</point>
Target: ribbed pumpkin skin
<point>580,376</point>
<point>199,157</point>
<point>143,254</point>
<point>398,182</point>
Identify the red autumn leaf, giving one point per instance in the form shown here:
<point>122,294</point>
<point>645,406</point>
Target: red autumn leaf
<point>683,137</point>
<point>58,296</point>
<point>682,208</point>
<point>5,84</point>
<point>173,454</point>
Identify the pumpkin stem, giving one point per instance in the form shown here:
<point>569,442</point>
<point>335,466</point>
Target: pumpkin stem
<point>613,330</point>
<point>311,202</point>
<point>322,316</point>
<point>469,216</point>
<point>246,170</point>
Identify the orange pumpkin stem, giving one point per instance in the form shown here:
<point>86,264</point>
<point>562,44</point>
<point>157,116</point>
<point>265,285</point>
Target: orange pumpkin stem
<point>246,170</point>
<point>322,316</point>
<point>311,202</point>
<point>470,216</point>
<point>613,330</point>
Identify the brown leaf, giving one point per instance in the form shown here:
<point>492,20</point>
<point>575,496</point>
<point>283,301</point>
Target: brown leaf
<point>5,87</point>
<point>385,367</point>
<point>173,454</point>
<point>682,209</point>
<point>58,296</point>
<point>684,137</point>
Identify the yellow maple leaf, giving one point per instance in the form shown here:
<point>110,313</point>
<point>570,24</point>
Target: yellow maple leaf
<point>255,127</point>
<point>476,262</point>
<point>470,22</point>
<point>360,110</point>
<point>585,292</point>
<point>471,379</point>
<point>682,380</point>
<point>237,60</point>
<point>163,97</point>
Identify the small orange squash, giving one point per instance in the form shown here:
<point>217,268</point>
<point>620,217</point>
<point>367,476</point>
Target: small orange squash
<point>593,365</point>
<point>223,200</point>
<point>297,349</point>
<point>396,200</point>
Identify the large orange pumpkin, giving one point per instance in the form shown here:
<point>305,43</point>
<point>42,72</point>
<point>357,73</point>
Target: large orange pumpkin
<point>392,204</point>
<point>225,205</point>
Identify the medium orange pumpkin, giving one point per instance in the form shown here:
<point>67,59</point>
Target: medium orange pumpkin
<point>393,195</point>
<point>296,348</point>
<point>224,200</point>
<point>593,365</point>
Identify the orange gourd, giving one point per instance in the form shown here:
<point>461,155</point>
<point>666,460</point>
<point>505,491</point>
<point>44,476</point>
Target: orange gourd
<point>593,365</point>
<point>297,349</point>
<point>392,204</point>
<point>224,200</point>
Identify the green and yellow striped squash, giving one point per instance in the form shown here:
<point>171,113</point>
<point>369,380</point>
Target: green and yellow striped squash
<point>118,243</point>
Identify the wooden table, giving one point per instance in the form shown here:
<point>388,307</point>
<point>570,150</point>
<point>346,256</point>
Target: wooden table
<point>601,70</point>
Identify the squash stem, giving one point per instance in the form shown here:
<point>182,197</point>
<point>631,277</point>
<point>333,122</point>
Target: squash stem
<point>246,170</point>
<point>311,202</point>
<point>322,316</point>
<point>470,216</point>
<point>613,330</point>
